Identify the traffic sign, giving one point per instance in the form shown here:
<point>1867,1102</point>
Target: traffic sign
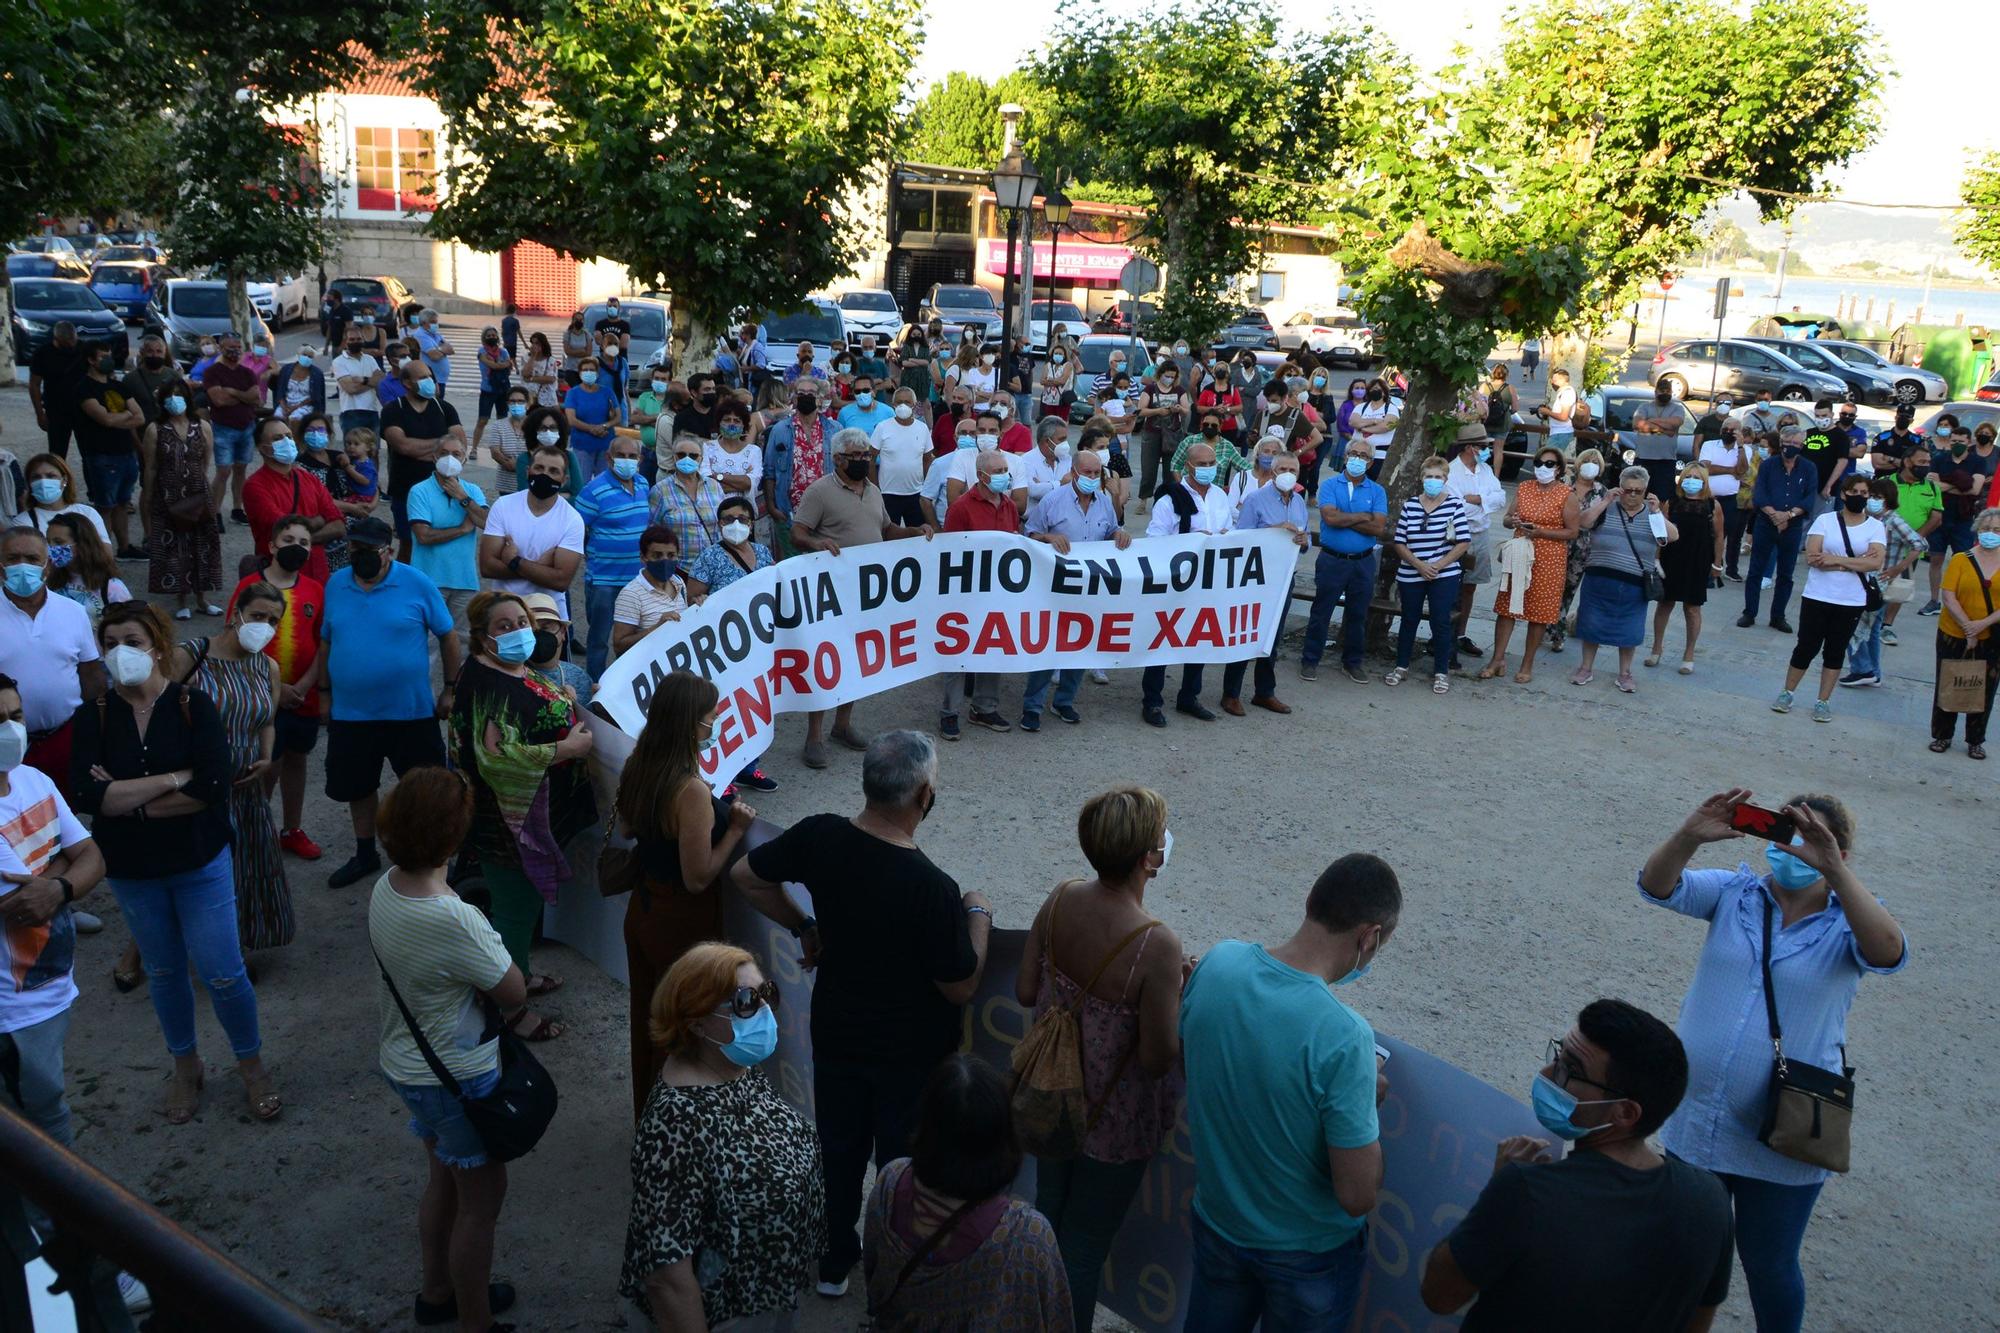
<point>1139,277</point>
<point>1666,282</point>
<point>1721,299</point>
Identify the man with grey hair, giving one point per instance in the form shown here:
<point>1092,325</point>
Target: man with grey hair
<point>900,952</point>
<point>844,508</point>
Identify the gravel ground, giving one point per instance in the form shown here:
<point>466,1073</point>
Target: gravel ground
<point>1516,816</point>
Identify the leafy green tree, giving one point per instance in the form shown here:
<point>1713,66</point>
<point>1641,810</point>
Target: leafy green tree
<point>1209,112</point>
<point>956,124</point>
<point>710,146</point>
<point>1979,226</point>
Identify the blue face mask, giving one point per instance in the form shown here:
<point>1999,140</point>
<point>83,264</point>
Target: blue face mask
<point>316,439</point>
<point>1088,485</point>
<point>1360,970</point>
<point>1357,467</point>
<point>427,387</point>
<point>686,466</point>
<point>1486,454</point>
<point>284,451</point>
<point>625,468</point>
<point>1790,872</point>
<point>1205,474</point>
<point>1319,381</point>
<point>753,1040</point>
<point>176,404</point>
<point>46,490</point>
<point>1433,486</point>
<point>1555,1108</point>
<point>1989,541</point>
<point>1875,506</point>
<point>1000,482</point>
<point>1266,462</point>
<point>659,571</point>
<point>516,645</point>
<point>587,376</point>
<point>23,580</point>
<point>864,399</point>
<point>967,442</point>
<point>1690,485</point>
<point>515,411</point>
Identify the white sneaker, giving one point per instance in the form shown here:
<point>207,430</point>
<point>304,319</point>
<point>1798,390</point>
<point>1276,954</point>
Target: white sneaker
<point>833,1290</point>
<point>1098,677</point>
<point>137,1299</point>
<point>86,923</point>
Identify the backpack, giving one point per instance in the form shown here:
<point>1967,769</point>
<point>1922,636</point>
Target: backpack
<point>1052,1114</point>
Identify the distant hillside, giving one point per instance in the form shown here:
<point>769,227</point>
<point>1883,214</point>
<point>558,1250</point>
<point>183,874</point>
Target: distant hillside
<point>1834,236</point>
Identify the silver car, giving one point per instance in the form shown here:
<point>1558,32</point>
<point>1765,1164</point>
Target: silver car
<point>187,310</point>
<point>1741,369</point>
<point>1911,384</point>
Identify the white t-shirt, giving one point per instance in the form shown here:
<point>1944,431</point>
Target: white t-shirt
<point>1842,587</point>
<point>42,655</point>
<point>903,449</point>
<point>441,952</point>
<point>1563,400</point>
<point>534,535</point>
<point>718,462</point>
<point>1390,410</point>
<point>363,365</point>
<point>38,518</point>
<point>1721,459</point>
<point>979,380</point>
<point>35,824</point>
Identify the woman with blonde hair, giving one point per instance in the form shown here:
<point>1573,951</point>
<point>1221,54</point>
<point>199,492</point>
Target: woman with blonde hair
<point>51,493</point>
<point>1588,487</point>
<point>1692,562</point>
<point>685,839</point>
<point>728,1203</point>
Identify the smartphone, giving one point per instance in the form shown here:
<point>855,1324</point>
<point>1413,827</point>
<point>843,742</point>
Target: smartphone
<point>1761,823</point>
<point>1381,1053</point>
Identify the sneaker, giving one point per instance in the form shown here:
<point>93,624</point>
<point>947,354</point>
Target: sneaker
<point>755,780</point>
<point>237,515</point>
<point>295,841</point>
<point>86,923</point>
<point>1822,710</point>
<point>1929,608</point>
<point>1098,677</point>
<point>833,1291</point>
<point>1356,674</point>
<point>991,721</point>
<point>1307,671</point>
<point>1733,576</point>
<point>359,866</point>
<point>948,728</point>
<point>1888,636</point>
<point>1860,679</point>
<point>137,1299</point>
<point>1783,703</point>
<point>1068,714</point>
<point>1031,721</point>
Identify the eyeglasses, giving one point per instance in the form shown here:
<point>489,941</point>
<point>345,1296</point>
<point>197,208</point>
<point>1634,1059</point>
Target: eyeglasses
<point>1566,1072</point>
<point>1628,492</point>
<point>749,999</point>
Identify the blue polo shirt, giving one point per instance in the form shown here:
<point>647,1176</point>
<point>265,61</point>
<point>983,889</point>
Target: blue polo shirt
<point>378,645</point>
<point>453,564</point>
<point>867,418</point>
<point>1268,507</point>
<point>1062,510</point>
<point>1350,497</point>
<point>615,521</point>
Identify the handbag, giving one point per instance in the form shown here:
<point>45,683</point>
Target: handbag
<point>1811,1110</point>
<point>1653,584</point>
<point>1870,585</point>
<point>618,869</point>
<point>511,1119</point>
<point>1961,681</point>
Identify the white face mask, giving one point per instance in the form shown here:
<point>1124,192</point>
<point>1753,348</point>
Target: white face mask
<point>738,531</point>
<point>254,635</point>
<point>1062,452</point>
<point>904,411</point>
<point>13,745</point>
<point>1286,482</point>
<point>128,666</point>
<point>1590,471</point>
<point>1545,474</point>
<point>1166,848</point>
<point>548,437</point>
<point>449,466</point>
<point>989,441</point>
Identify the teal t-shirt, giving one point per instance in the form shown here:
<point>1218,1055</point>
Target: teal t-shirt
<point>452,565</point>
<point>1278,1071</point>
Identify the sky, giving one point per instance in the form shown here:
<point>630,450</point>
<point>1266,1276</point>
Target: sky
<point>1918,157</point>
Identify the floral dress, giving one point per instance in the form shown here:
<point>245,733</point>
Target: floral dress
<point>181,561</point>
<point>242,692</point>
<point>1542,506</point>
<point>526,804</point>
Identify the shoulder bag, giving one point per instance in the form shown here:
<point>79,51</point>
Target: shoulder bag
<point>511,1119</point>
<point>618,869</point>
<point>1652,581</point>
<point>1811,1110</point>
<point>1870,585</point>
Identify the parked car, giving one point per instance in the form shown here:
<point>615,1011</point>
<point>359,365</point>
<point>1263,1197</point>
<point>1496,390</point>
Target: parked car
<point>283,299</point>
<point>1912,384</point>
<point>42,245</point>
<point>186,310</point>
<point>1989,392</point>
<point>650,322</point>
<point>56,264</point>
<point>818,321</point>
<point>1117,317</point>
<point>42,303</point>
<point>127,285</point>
<point>1247,326</point>
<point>1093,358</point>
<point>1335,336</point>
<point>960,306</point>
<point>1063,316</point>
<point>382,296</point>
<point>1741,367</point>
<point>128,254</point>
<point>871,310</point>
<point>1973,413</point>
<point>1863,386</point>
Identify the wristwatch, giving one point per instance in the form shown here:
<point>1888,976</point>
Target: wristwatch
<point>69,890</point>
<point>810,923</point>
<point>514,565</point>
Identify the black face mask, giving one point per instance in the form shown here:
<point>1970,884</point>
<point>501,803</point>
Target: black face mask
<point>542,486</point>
<point>708,398</point>
<point>806,404</point>
<point>1374,395</point>
<point>930,801</point>
<point>545,646</point>
<point>1854,504</point>
<point>292,559</point>
<point>856,468</point>
<point>365,560</point>
<point>153,362</point>
<point>1210,430</point>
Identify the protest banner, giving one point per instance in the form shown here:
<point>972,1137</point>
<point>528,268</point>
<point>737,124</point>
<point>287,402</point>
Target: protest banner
<point>820,630</point>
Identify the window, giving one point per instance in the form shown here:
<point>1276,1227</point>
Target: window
<point>913,210</point>
<point>394,169</point>
<point>954,212</point>
<point>1270,286</point>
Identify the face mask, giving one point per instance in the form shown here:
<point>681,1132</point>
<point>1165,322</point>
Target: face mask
<point>208,351</point>
<point>428,387</point>
<point>548,437</point>
<point>1554,1108</point>
<point>292,559</point>
<point>255,635</point>
<point>987,440</point>
<point>1356,466</point>
<point>46,490</point>
<point>1875,507</point>
<point>806,404</point>
<point>1374,395</point>
<point>966,442</point>
<point>587,376</point>
<point>13,745</point>
<point>1265,462</point>
<point>366,562</point>
<point>1088,485</point>
<point>516,645</point>
<point>903,411</point>
<point>659,571</point>
<point>1690,486</point>
<point>1854,504</point>
<point>316,439</point>
<point>515,411</point>
<point>1205,474</point>
<point>60,555</point>
<point>1357,393</point>
<point>1942,432</point>
<point>284,451</point>
<point>1822,420</point>
<point>1286,482</point>
<point>659,386</point>
<point>857,469</point>
<point>1167,381</point>
<point>1545,474</point>
<point>986,358</point>
<point>1210,430</point>
<point>546,644</point>
<point>128,666</point>
<point>1117,365</point>
<point>1360,970</point>
<point>1790,872</point>
<point>1062,451</point>
<point>626,468</point>
<point>1919,473</point>
<point>542,486</point>
<point>258,350</point>
<point>1989,541</point>
<point>1000,483</point>
<point>736,531</point>
<point>1589,470</point>
<point>1180,349</point>
<point>152,362</point>
<point>1058,359</point>
<point>1433,486</point>
<point>305,359</point>
<point>1166,848</point>
<point>752,1040</point>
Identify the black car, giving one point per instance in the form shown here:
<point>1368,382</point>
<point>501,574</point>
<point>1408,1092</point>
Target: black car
<point>42,303</point>
<point>381,296</point>
<point>1864,385</point>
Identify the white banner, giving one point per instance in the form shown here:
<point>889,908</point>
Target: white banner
<point>820,630</point>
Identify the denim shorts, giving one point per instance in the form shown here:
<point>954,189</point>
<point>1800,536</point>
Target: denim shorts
<point>438,1119</point>
<point>234,444</point>
<point>110,479</point>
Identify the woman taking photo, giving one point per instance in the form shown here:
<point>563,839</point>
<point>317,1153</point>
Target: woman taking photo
<point>1970,591</point>
<point>685,839</point>
<point>1096,950</point>
<point>1691,562</point>
<point>1824,930</point>
<point>444,962</point>
<point>183,542</point>
<point>52,492</point>
<point>150,763</point>
<point>521,741</point>
<point>81,567</point>
<point>728,1208</point>
<point>1844,546</point>
<point>1624,548</point>
<point>1542,509</point>
<point>944,1246</point>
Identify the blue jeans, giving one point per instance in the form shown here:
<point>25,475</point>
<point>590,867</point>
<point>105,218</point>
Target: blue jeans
<point>110,479</point>
<point>1290,1291</point>
<point>1337,579</point>
<point>1864,651</point>
<point>1442,594</point>
<point>599,601</point>
<point>438,1118</point>
<point>192,915</point>
<point>31,1075</point>
<point>1769,548</point>
<point>1770,1226</point>
<point>234,444</point>
<point>1085,1201</point>
<point>1037,690</point>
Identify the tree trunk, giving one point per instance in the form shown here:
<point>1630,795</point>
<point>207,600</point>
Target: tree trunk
<point>241,317</point>
<point>691,343</point>
<point>1566,351</point>
<point>1402,476</point>
<point>6,332</point>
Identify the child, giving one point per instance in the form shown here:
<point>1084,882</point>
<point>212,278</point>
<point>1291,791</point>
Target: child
<point>359,464</point>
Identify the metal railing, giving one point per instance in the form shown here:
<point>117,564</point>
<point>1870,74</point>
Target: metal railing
<point>192,1285</point>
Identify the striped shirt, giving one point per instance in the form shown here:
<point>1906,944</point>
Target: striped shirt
<point>441,953</point>
<point>691,517</point>
<point>613,518</point>
<point>1429,534</point>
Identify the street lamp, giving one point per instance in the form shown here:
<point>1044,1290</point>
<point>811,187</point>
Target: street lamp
<point>1056,208</point>
<point>1014,184</point>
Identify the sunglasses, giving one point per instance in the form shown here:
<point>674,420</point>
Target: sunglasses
<point>749,999</point>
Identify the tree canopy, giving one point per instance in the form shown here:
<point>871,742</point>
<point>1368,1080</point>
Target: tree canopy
<point>1979,226</point>
<point>64,98</point>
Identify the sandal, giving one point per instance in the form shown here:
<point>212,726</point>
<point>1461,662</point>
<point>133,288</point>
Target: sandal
<point>1939,747</point>
<point>1395,675</point>
<point>265,1103</point>
<point>1625,685</point>
<point>1654,660</point>
<point>1523,677</point>
<point>1492,670</point>
<point>1687,667</point>
<point>1583,676</point>
<point>543,984</point>
<point>1440,684</point>
<point>183,1100</point>
<point>545,1029</point>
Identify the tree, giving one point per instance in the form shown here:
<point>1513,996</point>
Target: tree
<point>711,146</point>
<point>1210,113</point>
<point>957,124</point>
<point>1979,226</point>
